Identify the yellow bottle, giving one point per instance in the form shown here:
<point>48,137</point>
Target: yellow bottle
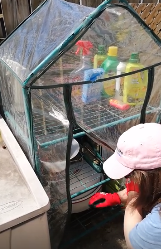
<point>100,57</point>
<point>135,85</point>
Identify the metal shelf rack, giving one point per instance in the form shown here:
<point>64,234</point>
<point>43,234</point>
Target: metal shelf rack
<point>91,117</point>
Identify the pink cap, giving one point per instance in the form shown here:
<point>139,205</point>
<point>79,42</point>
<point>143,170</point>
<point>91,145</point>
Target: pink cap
<point>137,148</point>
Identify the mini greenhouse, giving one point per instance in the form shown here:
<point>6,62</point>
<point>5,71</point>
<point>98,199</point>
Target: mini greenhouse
<point>52,93</point>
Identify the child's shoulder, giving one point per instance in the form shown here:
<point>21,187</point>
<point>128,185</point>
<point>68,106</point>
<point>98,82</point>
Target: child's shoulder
<point>147,233</point>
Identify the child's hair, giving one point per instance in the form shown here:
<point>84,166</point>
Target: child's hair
<point>149,183</point>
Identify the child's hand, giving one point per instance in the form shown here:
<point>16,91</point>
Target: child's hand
<point>101,200</point>
<point>132,190</point>
<point>131,186</point>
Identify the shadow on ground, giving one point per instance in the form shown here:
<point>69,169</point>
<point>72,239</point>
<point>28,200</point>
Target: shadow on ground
<point>108,236</point>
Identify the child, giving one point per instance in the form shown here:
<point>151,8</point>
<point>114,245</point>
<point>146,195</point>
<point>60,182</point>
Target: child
<point>138,158</point>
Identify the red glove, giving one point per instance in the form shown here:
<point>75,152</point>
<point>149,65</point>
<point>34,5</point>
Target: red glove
<point>131,186</point>
<point>100,200</point>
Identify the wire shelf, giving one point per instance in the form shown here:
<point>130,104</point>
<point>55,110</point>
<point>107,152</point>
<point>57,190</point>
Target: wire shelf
<point>100,114</point>
<point>82,176</point>
<point>84,180</point>
<point>86,222</point>
<point>89,117</point>
<point>46,127</point>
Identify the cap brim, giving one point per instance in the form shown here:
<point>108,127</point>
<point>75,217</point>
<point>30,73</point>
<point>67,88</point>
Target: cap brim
<point>114,169</point>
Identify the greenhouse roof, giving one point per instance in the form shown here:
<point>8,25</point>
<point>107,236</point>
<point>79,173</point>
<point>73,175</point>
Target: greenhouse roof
<point>51,30</point>
<point>45,30</point>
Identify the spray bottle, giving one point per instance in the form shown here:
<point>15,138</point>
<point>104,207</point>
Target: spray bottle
<point>109,66</point>
<point>78,74</point>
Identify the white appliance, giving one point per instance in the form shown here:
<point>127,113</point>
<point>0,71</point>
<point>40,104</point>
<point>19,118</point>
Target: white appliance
<point>23,201</point>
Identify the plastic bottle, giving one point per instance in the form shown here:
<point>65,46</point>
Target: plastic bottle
<point>117,101</point>
<point>120,81</point>
<point>92,91</point>
<point>78,74</point>
<point>109,66</point>
<point>100,57</point>
<point>135,85</point>
<point>84,49</point>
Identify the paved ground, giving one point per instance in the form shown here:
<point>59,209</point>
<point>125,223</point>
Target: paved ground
<point>110,236</point>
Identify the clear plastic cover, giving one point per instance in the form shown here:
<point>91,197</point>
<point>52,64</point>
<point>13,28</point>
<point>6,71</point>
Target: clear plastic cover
<point>51,132</point>
<point>105,113</point>
<point>40,34</point>
<point>111,28</point>
<point>14,108</point>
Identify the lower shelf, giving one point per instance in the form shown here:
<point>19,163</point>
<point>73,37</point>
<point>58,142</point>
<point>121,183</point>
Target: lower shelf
<point>86,222</point>
<point>84,181</point>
